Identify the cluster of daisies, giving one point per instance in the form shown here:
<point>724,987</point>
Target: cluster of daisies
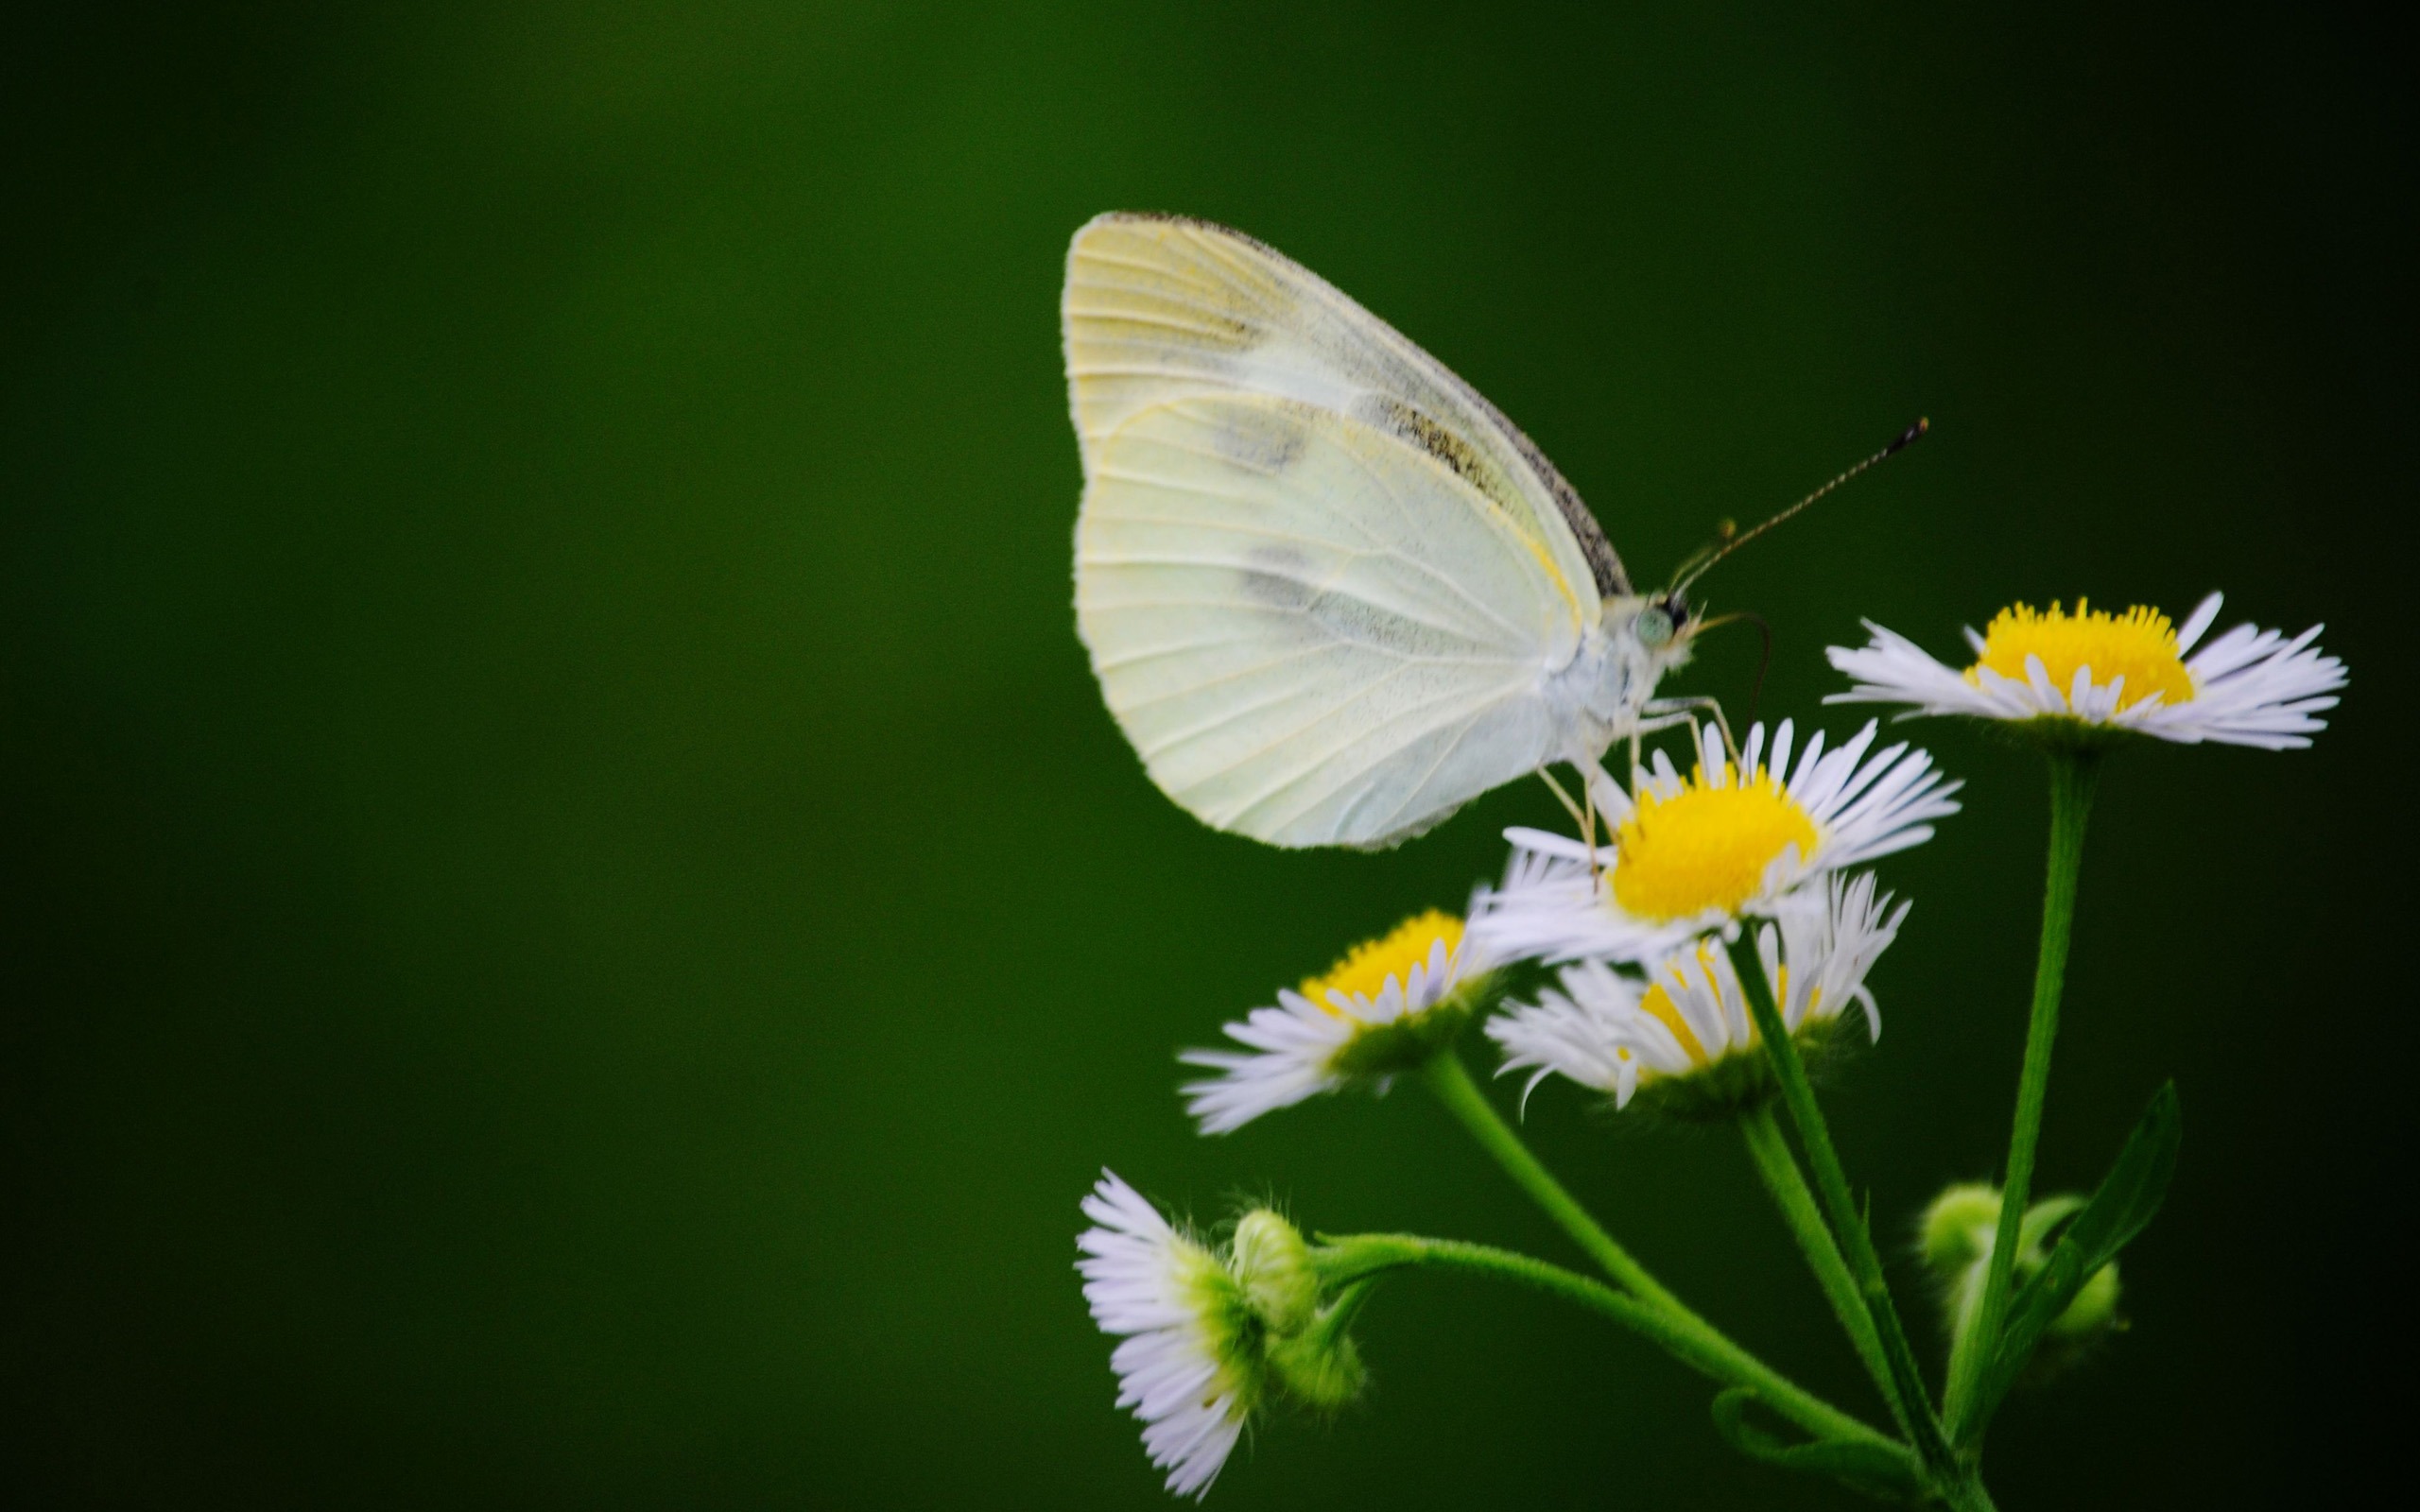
<point>1646,1007</point>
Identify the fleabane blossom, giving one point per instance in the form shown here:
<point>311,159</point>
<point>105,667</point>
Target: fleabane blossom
<point>1694,856</point>
<point>1186,1363</point>
<point>2093,671</point>
<point>1680,1029</point>
<point>1380,1011</point>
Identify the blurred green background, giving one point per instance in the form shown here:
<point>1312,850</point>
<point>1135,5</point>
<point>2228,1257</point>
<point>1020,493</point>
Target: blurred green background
<point>580,927</point>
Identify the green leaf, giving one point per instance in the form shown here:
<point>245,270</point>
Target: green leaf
<point>1871,1467</point>
<point>2126,1200</point>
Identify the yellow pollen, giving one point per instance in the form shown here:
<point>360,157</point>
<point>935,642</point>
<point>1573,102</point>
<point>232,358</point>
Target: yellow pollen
<point>2138,645</point>
<point>1704,847</point>
<point>1366,967</point>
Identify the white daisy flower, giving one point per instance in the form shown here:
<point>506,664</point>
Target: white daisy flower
<point>1381,1010</point>
<point>1695,854</point>
<point>1184,1364</point>
<point>1684,1023</point>
<point>2122,672</point>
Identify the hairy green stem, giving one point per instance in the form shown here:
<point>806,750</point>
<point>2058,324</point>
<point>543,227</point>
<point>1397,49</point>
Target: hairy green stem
<point>2074,776</point>
<point>1357,1256</point>
<point>1779,1168</point>
<point>1451,1081</point>
<point>1848,1221</point>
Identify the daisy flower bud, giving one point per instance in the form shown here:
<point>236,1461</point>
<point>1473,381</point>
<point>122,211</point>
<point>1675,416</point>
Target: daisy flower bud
<point>1956,1235</point>
<point>2092,1314</point>
<point>2081,675</point>
<point>1680,1034</point>
<point>1956,1230</point>
<point>1313,1357</point>
<point>1321,1367</point>
<point>1694,856</point>
<point>1274,1267</point>
<point>1383,1009</point>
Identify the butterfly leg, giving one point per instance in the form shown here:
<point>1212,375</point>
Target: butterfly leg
<point>1588,828</point>
<point>1659,714</point>
<point>1583,813</point>
<point>1564,799</point>
<point>1656,723</point>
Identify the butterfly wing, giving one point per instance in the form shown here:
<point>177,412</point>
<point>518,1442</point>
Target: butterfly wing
<point>1313,634</point>
<point>1159,306</point>
<point>1321,579</point>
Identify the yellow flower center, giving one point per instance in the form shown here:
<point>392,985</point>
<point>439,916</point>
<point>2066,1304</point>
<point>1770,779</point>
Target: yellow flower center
<point>1366,967</point>
<point>1704,847</point>
<point>2138,645</point>
<point>1659,1004</point>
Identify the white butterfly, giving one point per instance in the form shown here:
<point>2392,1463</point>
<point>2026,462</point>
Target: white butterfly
<point>1331,593</point>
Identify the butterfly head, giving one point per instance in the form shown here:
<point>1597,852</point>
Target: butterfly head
<point>1665,621</point>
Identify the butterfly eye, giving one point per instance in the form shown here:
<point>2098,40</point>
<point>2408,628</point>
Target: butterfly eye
<point>1654,627</point>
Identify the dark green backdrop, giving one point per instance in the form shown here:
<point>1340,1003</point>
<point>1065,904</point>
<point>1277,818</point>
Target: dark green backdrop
<point>577,926</point>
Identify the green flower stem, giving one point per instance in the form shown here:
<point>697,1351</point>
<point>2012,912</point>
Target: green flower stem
<point>1650,1308</point>
<point>1355,1258</point>
<point>1782,1177</point>
<point>2075,774</point>
<point>1848,1221</point>
<point>1451,1081</point>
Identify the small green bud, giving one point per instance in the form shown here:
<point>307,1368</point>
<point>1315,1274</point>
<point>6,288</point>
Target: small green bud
<point>1273,1265</point>
<point>2074,1333</point>
<point>2092,1312</point>
<point>1320,1367</point>
<point>1301,1338</point>
<point>1957,1235</point>
<point>1958,1228</point>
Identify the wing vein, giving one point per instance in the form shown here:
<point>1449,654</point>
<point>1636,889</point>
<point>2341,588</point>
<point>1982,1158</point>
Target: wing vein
<point>1311,770</point>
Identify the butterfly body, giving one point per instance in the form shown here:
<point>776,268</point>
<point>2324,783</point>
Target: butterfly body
<point>1330,591</point>
<point>1601,694</point>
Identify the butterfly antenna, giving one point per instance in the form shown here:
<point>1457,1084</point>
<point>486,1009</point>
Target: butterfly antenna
<point>1906,439</point>
<point>1703,555</point>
